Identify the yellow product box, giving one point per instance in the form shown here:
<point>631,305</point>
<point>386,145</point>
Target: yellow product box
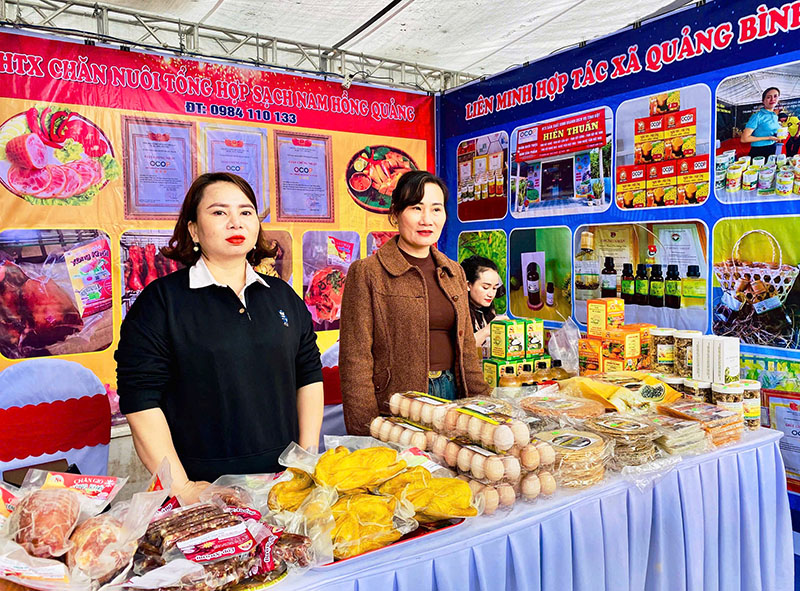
<point>508,339</point>
<point>622,343</point>
<point>645,343</point>
<point>648,140</point>
<point>631,186</point>
<point>611,365</point>
<point>494,369</point>
<point>589,356</point>
<point>665,102</point>
<point>536,359</point>
<point>534,337</point>
<point>680,134</point>
<point>604,314</point>
<point>693,179</point>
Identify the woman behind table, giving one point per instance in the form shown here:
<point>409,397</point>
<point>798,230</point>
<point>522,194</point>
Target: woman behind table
<point>218,368</point>
<point>761,129</point>
<point>405,322</point>
<point>483,283</point>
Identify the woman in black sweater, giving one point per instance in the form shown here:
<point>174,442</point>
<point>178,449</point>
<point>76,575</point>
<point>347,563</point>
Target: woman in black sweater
<point>218,368</point>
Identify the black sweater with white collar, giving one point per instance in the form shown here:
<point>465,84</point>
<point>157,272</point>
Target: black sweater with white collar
<point>225,376</point>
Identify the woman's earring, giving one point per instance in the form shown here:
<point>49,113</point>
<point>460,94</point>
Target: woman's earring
<point>196,247</point>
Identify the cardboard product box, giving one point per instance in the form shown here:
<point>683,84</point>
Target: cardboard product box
<point>648,140</point>
<point>508,339</point>
<point>662,184</point>
<point>631,187</point>
<point>703,351</point>
<point>726,360</point>
<point>604,314</point>
<point>536,359</point>
<point>534,337</point>
<point>589,356</point>
<point>494,369</point>
<point>622,343</point>
<point>680,134</point>
<point>694,175</point>
<point>610,364</point>
<point>645,343</point>
<point>665,102</point>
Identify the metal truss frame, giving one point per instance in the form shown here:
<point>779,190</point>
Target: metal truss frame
<point>130,28</point>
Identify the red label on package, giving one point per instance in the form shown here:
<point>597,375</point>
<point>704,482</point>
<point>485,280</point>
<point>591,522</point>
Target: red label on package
<point>694,165</point>
<point>662,170</point>
<point>244,512</point>
<point>576,133</point>
<point>7,502</point>
<point>94,487</point>
<point>266,562</point>
<point>219,544</point>
<point>168,507</point>
<point>633,173</point>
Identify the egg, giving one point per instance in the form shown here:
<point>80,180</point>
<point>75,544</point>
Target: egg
<point>426,414</point>
<point>477,465</point>
<point>375,427</point>
<point>464,459</point>
<point>405,437</point>
<point>394,403</point>
<point>529,457</point>
<point>451,454</point>
<point>385,431</point>
<point>419,441</point>
<point>512,469</point>
<point>547,482</point>
<point>395,433</point>
<point>474,485</point>
<point>438,418</point>
<point>439,445</point>
<point>450,421</point>
<point>507,495</point>
<point>405,406</point>
<point>414,410</point>
<point>547,454</point>
<point>493,468</point>
<point>491,500</point>
<point>530,486</point>
<point>474,429</point>
<point>522,435</point>
<point>503,438</point>
<point>487,435</point>
<point>430,437</point>
<point>462,425</point>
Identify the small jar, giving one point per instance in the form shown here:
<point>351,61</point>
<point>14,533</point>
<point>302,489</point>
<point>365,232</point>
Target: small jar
<point>697,390</point>
<point>729,397</point>
<point>663,350</point>
<point>752,403</point>
<point>674,382</point>
<point>684,342</point>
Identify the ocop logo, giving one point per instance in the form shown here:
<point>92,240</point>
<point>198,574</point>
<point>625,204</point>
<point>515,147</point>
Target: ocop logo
<point>233,168</point>
<point>637,174</point>
<point>688,118</point>
<point>670,169</point>
<point>528,135</point>
<point>657,124</point>
<point>700,165</point>
<point>303,169</point>
<point>159,163</point>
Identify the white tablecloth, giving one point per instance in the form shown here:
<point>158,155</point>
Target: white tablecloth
<point>716,522</point>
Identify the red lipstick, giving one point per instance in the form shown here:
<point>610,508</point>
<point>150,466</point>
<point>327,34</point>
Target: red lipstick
<point>235,239</point>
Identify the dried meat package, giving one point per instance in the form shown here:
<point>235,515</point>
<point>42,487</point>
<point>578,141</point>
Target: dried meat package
<point>43,521</point>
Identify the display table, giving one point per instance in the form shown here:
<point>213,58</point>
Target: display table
<point>719,521</point>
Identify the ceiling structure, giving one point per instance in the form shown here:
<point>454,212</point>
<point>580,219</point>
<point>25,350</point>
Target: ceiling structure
<point>430,45</point>
<point>748,88</point>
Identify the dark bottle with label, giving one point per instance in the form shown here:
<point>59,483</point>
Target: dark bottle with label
<point>642,285</point>
<point>628,289</point>
<point>534,291</point>
<point>672,288</point>
<point>656,297</point>
<point>550,296</point>
<point>608,279</point>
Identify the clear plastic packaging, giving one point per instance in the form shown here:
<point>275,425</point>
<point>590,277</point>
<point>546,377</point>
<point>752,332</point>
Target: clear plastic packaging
<point>556,406</point>
<point>663,350</point>
<point>625,391</point>
<point>418,407</point>
<point>697,390</point>
<point>563,345</point>
<point>365,522</point>
<point>487,422</point>
<point>633,438</point>
<point>400,431</point>
<point>678,436</point>
<point>722,425</point>
<point>684,343</point>
<point>580,456</point>
<point>752,404</point>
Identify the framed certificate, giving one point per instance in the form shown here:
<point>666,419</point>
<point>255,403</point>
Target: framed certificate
<point>305,177</point>
<point>160,165</point>
<point>241,151</point>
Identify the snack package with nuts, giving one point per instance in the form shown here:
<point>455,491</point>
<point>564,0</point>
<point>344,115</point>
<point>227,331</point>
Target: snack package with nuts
<point>625,391</point>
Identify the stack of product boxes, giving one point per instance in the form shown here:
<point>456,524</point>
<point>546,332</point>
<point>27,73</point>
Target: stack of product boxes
<point>611,345</point>
<point>665,158</point>
<point>516,347</point>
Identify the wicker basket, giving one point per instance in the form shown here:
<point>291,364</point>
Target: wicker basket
<point>752,282</point>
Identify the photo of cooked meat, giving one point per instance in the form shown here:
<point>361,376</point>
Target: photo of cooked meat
<point>372,175</point>
<point>55,156</point>
<point>324,294</point>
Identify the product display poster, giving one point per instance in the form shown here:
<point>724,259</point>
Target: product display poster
<point>671,255</point>
<point>540,291</point>
<point>143,262</point>
<point>160,163</point>
<point>482,173</point>
<point>305,187</point>
<point>758,136</point>
<point>784,416</point>
<point>490,244</point>
<point>326,258</point>
<point>662,148</point>
<point>562,166</point>
<point>755,275</point>
<point>242,152</point>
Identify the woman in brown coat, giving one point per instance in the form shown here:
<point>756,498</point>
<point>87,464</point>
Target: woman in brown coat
<point>405,322</point>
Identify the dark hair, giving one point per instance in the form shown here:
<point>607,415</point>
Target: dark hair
<point>410,190</point>
<point>181,245</point>
<point>475,265</point>
<point>764,94</point>
<point>783,115</point>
